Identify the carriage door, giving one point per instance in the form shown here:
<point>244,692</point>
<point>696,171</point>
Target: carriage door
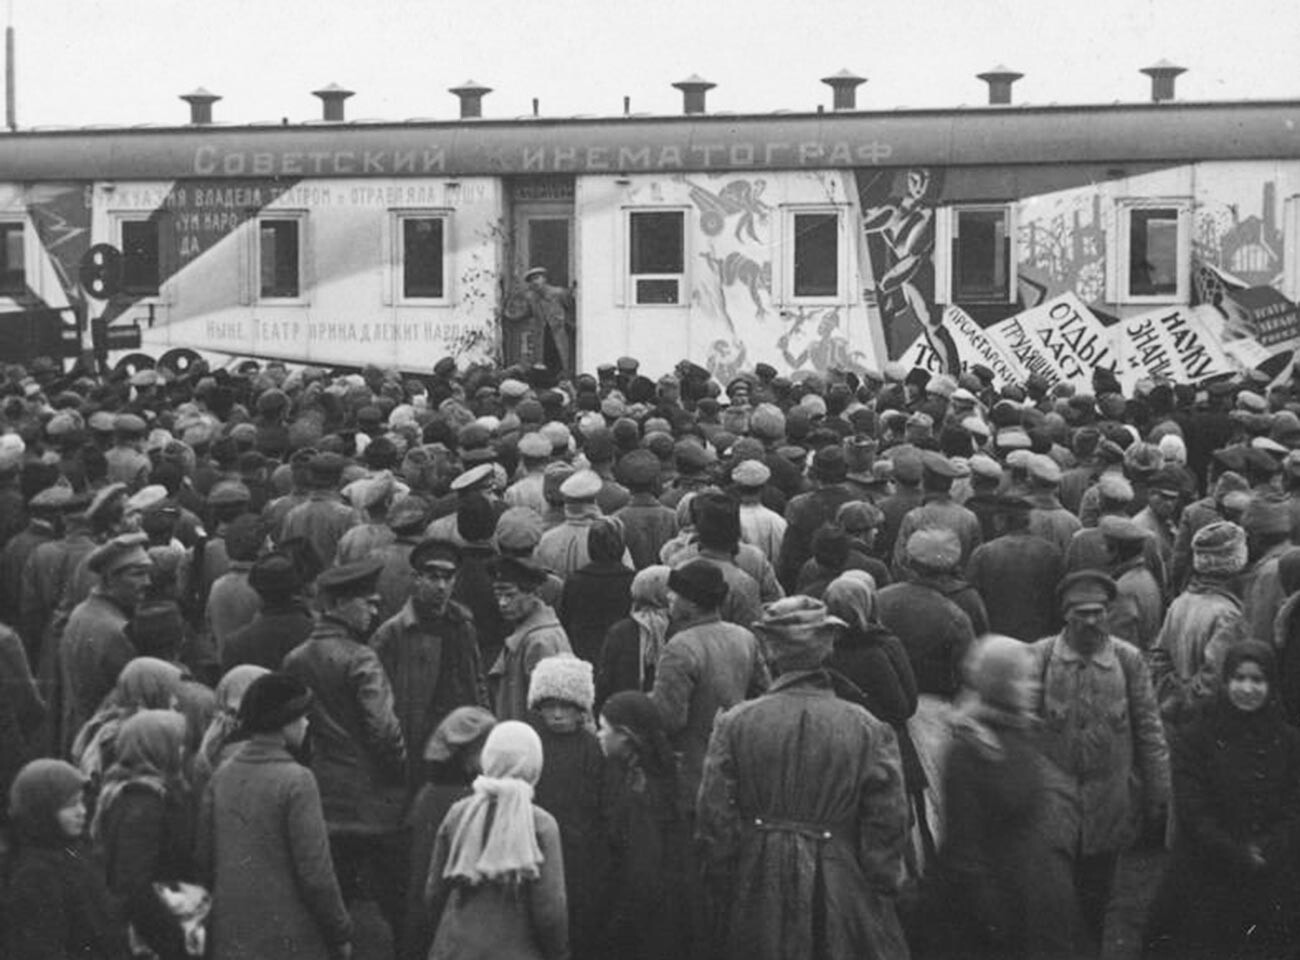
<point>542,234</point>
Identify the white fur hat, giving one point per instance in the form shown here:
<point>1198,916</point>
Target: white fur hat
<point>562,677</point>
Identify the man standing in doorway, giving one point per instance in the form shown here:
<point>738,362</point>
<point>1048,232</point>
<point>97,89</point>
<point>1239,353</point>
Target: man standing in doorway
<point>541,324</point>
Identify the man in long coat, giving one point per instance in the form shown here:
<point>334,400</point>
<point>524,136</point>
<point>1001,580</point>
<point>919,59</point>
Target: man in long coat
<point>802,814</point>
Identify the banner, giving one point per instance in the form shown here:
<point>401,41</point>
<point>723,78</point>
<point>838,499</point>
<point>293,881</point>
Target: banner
<point>974,346</point>
<point>1172,343</point>
<point>1060,340</point>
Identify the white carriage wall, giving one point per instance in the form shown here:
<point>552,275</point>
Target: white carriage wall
<point>351,309</point>
<point>737,305</point>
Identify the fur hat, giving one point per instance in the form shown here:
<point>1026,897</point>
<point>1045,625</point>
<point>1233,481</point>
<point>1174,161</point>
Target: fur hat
<point>701,582</point>
<point>1268,515</point>
<point>272,701</point>
<point>797,632</point>
<point>562,677</point>
<point>1219,548</point>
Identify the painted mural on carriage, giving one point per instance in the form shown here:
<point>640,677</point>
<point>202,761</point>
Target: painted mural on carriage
<point>807,260</point>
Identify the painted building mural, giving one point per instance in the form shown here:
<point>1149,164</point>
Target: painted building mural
<point>882,247</point>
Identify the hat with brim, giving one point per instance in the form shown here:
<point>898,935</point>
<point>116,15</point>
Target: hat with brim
<point>351,579</point>
<point>435,553</point>
<point>1086,586</point>
<point>534,272</point>
<point>480,475</point>
<point>797,632</point>
<point>516,571</point>
<point>127,550</point>
<point>273,701</point>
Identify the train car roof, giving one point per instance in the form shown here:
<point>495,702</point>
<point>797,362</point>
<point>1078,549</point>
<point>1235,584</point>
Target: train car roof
<point>1172,131</point>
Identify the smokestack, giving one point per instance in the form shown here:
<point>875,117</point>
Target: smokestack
<point>693,89</point>
<point>1162,74</point>
<point>844,89</point>
<point>999,79</point>
<point>471,98</point>
<point>331,99</point>
<point>200,102</point>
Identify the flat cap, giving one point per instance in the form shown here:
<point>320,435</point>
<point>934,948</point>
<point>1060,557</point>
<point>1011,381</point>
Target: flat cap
<point>583,485</point>
<point>519,572</point>
<point>1086,586</point>
<point>126,550</point>
<point>1044,469</point>
<point>473,477</point>
<point>1119,528</point>
<point>534,446</point>
<point>751,473</point>
<point>690,457</point>
<point>638,467</point>
<point>938,465</point>
<point>985,467</point>
<point>229,492</point>
<point>408,513</point>
<point>129,423</point>
<point>936,548</point>
<point>351,579</point>
<point>435,552</point>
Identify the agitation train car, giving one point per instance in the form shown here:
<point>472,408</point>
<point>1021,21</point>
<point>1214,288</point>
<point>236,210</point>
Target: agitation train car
<point>1157,238</point>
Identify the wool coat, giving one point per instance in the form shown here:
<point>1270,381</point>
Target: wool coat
<point>263,848</point>
<point>708,666</point>
<point>92,652</point>
<point>495,921</point>
<point>802,817</point>
<point>59,906</point>
<point>538,635</point>
<point>1017,576</point>
<point>269,638</point>
<point>595,597</point>
<point>1236,782</point>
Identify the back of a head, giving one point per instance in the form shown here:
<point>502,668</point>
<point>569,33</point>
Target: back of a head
<point>605,541</point>
<point>717,521</point>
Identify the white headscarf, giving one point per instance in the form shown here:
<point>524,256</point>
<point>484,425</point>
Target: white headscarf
<point>508,852</point>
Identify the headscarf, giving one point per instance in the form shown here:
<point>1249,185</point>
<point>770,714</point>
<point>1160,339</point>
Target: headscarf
<point>650,612</point>
<point>150,752</point>
<point>145,683</point>
<point>507,851</point>
<point>1260,653</point>
<point>852,599</point>
<point>41,789</point>
<point>230,691</point>
<point>636,715</point>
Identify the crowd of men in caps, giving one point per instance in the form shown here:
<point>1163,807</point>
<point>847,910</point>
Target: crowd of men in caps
<point>838,666</point>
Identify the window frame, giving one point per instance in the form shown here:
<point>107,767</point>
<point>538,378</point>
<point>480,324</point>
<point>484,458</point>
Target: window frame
<point>18,219</point>
<point>628,282</point>
<point>789,243</point>
<point>1117,274</point>
<point>255,264</point>
<point>395,256</point>
<point>945,262</point>
<point>120,219</point>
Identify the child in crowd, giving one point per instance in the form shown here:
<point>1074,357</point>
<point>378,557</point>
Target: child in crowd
<point>573,787</point>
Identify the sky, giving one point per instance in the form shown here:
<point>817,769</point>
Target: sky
<point>84,62</point>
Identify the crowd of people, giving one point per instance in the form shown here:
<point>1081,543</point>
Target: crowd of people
<point>836,666</point>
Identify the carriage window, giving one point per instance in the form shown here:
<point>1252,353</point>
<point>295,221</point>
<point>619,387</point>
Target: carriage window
<point>981,255</point>
<point>1153,262</point>
<point>1153,252</point>
<point>816,255</point>
<point>423,249</point>
<point>657,255</point>
<point>140,257</point>
<point>13,273</point>
<point>279,260</point>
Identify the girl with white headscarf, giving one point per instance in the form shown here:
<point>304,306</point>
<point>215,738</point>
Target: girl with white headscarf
<point>496,881</point>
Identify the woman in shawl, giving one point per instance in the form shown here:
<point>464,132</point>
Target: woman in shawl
<point>646,918</point>
<point>57,903</point>
<point>496,881</point>
<point>631,649</point>
<point>595,595</point>
<point>1231,888</point>
<point>145,683</point>
<point>998,888</point>
<point>872,658</point>
<point>222,736</point>
<point>451,762</point>
<point>143,826</point>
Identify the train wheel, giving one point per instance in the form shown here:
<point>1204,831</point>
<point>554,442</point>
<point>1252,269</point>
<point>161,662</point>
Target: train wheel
<point>179,361</point>
<point>133,363</point>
